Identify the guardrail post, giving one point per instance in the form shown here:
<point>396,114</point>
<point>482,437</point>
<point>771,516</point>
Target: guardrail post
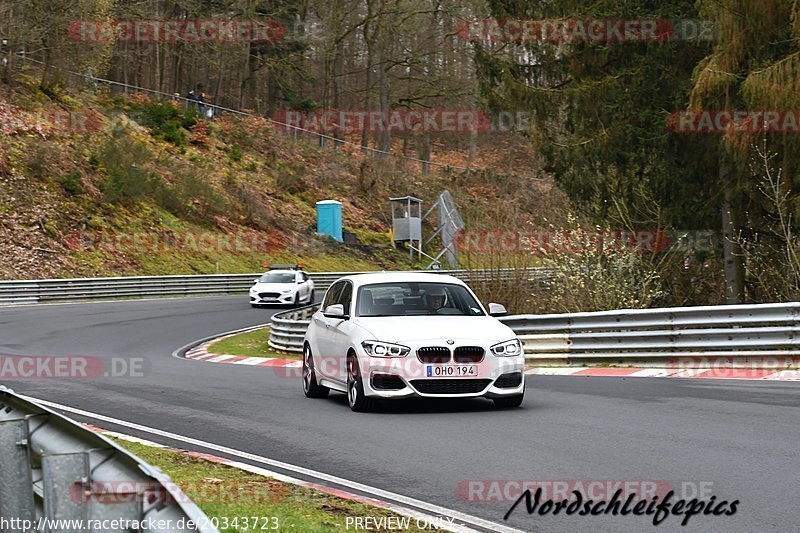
<point>64,478</point>
<point>16,487</point>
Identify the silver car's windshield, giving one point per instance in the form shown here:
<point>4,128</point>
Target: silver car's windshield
<point>277,277</point>
<point>406,298</point>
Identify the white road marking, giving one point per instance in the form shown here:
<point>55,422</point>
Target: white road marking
<point>429,519</point>
<point>251,361</point>
<point>353,485</point>
<point>219,358</point>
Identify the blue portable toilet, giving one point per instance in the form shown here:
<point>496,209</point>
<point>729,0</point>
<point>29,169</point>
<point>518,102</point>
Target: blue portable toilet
<point>329,218</point>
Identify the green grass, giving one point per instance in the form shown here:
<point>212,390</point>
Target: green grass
<point>249,344</point>
<point>224,492</point>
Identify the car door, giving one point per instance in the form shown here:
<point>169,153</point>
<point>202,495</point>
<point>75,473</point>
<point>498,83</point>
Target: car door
<point>340,330</point>
<point>323,351</point>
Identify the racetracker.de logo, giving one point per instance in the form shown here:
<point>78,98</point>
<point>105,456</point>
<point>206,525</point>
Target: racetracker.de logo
<point>194,31</point>
<point>510,490</point>
<point>71,367</point>
<point>735,121</point>
<point>245,242</point>
<point>547,241</point>
<point>413,121</point>
<point>583,30</point>
<point>734,368</point>
<point>205,491</point>
<point>50,122</point>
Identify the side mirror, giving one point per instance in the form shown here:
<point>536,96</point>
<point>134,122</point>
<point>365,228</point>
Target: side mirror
<point>335,311</point>
<point>497,310</point>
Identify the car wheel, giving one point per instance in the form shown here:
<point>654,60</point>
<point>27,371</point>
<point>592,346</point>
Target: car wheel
<point>311,298</point>
<point>296,302</point>
<point>310,386</point>
<point>355,388</point>
<point>509,401</point>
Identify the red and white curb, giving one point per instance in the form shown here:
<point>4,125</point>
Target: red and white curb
<point>418,516</point>
<point>704,373</point>
<point>201,353</point>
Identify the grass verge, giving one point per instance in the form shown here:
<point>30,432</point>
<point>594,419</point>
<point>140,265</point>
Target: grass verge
<point>225,493</point>
<point>249,344</point>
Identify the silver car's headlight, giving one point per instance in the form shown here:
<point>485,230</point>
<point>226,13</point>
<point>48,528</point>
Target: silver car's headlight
<point>287,291</point>
<point>385,349</point>
<point>507,348</point>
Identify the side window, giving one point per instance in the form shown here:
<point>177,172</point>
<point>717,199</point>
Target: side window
<point>305,276</point>
<point>332,296</point>
<point>345,297</point>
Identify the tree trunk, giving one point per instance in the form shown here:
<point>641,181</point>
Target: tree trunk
<point>731,249</point>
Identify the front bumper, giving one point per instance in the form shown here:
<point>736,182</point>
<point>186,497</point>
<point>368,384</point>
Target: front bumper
<point>264,299</point>
<point>405,377</point>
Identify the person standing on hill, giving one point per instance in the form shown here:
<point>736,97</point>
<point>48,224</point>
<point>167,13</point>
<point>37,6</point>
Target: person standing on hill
<point>201,104</point>
<point>191,100</point>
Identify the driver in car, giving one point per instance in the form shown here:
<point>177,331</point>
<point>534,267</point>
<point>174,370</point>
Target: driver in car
<point>436,300</point>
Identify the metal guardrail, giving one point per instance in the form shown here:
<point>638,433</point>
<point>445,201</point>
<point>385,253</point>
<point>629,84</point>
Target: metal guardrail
<point>65,290</point>
<point>289,327</point>
<point>766,333</point>
<point>55,469</point>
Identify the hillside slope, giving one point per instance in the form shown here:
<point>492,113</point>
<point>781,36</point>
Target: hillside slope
<point>98,185</point>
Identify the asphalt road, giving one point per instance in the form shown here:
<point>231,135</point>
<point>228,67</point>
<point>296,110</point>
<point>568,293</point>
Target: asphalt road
<point>737,440</point>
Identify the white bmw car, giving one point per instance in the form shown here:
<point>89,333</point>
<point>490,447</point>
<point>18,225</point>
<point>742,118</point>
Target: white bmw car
<point>398,335</point>
<point>282,287</point>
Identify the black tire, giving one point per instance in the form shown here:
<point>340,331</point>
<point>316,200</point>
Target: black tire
<point>355,388</point>
<point>311,388</point>
<point>296,300</point>
<point>311,298</point>
<point>509,402</point>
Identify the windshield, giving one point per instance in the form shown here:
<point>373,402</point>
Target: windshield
<point>277,277</point>
<point>410,298</point>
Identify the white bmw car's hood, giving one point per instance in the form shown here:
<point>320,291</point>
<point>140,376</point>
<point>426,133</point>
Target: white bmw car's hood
<point>435,328</point>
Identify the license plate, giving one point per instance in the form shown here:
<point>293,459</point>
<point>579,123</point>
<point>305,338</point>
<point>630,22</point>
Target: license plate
<point>446,371</point>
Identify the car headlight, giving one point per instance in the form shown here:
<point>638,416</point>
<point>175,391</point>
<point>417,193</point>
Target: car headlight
<point>385,349</point>
<point>507,348</point>
<point>287,291</point>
